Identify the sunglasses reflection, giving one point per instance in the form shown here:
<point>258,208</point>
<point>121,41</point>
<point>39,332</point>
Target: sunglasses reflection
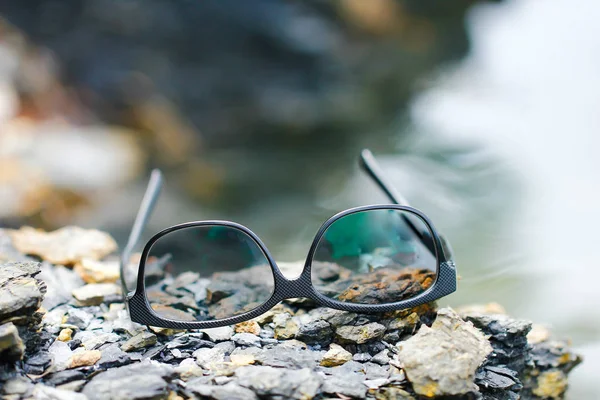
<point>215,272</point>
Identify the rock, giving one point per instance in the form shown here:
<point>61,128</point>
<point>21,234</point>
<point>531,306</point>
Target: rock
<point>65,246</point>
<point>393,393</point>
<point>551,384</point>
<point>279,383</point>
<point>113,356</point>
<point>79,317</point>
<point>359,334</point>
<point>498,382</point>
<point>381,358</point>
<point>65,335</point>
<point>45,392</point>
<point>11,345</point>
<point>38,363</point>
<point>242,359</point>
<point>139,341</point>
<point>63,377</point>
<point>285,327</point>
<point>508,337</point>
<point>230,391</point>
<point>248,327</point>
<point>269,315</point>
<point>442,360</point>
<point>219,334</point>
<point>145,380</point>
<point>246,339</point>
<point>61,355</point>
<point>337,385</point>
<point>538,334</point>
<point>61,282</point>
<point>206,357</point>
<point>316,332</point>
<point>336,355</point>
<point>188,368</point>
<point>94,294</point>
<point>93,340</point>
<point>93,271</point>
<point>84,358</point>
<point>20,293</point>
<point>286,356</point>
<point>362,357</point>
<point>16,387</point>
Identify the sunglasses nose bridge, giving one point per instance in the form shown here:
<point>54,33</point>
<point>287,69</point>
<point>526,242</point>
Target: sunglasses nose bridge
<point>295,288</point>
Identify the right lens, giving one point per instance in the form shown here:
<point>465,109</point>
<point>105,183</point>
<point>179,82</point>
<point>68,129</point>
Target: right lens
<point>377,256</point>
<point>207,272</point>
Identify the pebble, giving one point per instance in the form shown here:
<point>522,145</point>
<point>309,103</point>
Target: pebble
<point>359,334</point>
<point>336,355</point>
<point>343,386</point>
<point>279,383</point>
<point>139,341</point>
<point>248,327</point>
<point>229,391</point>
<point>451,348</point>
<point>219,334</point>
<point>46,392</point>
<point>84,358</point>
<point>144,380</point>
<point>61,355</point>
<point>94,294</point>
<point>11,345</point>
<point>93,271</point>
<point>65,335</point>
<point>246,339</point>
<point>381,358</point>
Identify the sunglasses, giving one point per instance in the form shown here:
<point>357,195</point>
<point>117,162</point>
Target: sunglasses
<point>207,274</point>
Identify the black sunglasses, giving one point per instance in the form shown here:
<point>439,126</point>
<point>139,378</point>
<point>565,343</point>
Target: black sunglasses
<point>206,274</point>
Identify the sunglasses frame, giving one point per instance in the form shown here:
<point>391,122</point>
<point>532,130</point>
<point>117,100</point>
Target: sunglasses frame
<point>140,310</point>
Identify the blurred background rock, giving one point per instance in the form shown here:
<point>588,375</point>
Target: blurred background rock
<point>484,115</point>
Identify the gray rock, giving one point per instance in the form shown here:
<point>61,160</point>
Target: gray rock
<point>277,383</point>
<point>18,386</point>
<point>315,331</point>
<point>79,317</point>
<point>61,355</point>
<point>139,341</point>
<point>359,334</point>
<point>381,358</point>
<point>207,357</point>
<point>20,293</point>
<point>246,339</point>
<point>288,357</point>
<point>230,391</point>
<point>63,377</point>
<point>145,380</point>
<point>46,392</point>
<point>219,334</point>
<point>442,360</point>
<point>96,339</point>
<point>94,294</point>
<point>362,357</point>
<point>336,385</point>
<point>11,345</point>
<point>61,281</point>
<point>376,371</point>
<point>113,356</point>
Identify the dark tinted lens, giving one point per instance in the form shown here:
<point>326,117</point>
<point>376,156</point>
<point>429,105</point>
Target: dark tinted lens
<point>206,273</point>
<point>375,257</point>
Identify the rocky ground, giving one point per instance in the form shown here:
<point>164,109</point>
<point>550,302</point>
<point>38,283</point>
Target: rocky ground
<point>65,334</point>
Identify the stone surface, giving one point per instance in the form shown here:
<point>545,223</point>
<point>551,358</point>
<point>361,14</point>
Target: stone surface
<point>336,355</point>
<point>359,334</point>
<point>442,360</point>
<point>21,293</point>
<point>248,327</point>
<point>11,345</point>
<point>67,245</point>
<point>279,383</point>
<point>94,294</point>
<point>219,334</point>
<point>93,271</point>
<point>139,341</point>
<point>145,380</point>
<point>84,358</point>
<point>246,339</point>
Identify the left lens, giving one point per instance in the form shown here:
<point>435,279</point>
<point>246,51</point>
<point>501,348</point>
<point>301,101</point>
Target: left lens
<point>207,272</point>
<point>378,256</point>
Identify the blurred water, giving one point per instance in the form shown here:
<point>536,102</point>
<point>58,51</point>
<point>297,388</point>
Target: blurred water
<point>528,94</point>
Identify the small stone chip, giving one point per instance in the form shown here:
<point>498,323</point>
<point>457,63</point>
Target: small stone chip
<point>85,358</point>
<point>139,341</point>
<point>93,271</point>
<point>242,359</point>
<point>94,294</point>
<point>248,327</point>
<point>359,334</point>
<point>336,355</point>
<point>11,345</point>
<point>66,246</point>
<point>65,335</point>
<point>551,384</point>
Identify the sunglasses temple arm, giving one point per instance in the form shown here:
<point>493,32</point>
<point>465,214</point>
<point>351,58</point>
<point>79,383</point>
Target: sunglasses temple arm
<point>369,164</point>
<point>143,215</point>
